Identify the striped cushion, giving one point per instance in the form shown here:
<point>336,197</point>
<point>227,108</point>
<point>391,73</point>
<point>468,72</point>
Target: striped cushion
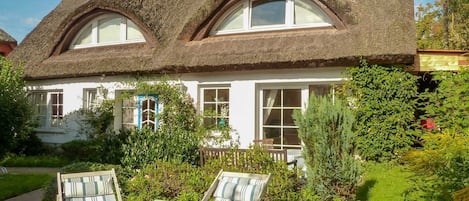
<point>245,190</point>
<point>87,189</point>
<point>225,189</point>
<point>94,198</point>
<point>88,179</point>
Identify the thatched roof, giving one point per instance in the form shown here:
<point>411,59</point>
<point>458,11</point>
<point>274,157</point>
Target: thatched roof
<point>6,38</point>
<point>381,31</point>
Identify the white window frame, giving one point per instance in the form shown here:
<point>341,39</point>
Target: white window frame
<point>90,93</point>
<point>49,116</point>
<point>246,5</point>
<point>94,33</point>
<point>304,101</point>
<point>216,102</point>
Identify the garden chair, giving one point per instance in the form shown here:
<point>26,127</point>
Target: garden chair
<point>235,186</point>
<point>88,186</point>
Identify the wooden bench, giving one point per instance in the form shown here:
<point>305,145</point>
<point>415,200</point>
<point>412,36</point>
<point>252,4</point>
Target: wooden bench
<point>237,155</point>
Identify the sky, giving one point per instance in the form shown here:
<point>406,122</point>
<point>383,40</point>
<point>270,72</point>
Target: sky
<point>19,17</point>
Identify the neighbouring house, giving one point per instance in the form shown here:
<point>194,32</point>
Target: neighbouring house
<point>250,63</point>
<point>7,43</point>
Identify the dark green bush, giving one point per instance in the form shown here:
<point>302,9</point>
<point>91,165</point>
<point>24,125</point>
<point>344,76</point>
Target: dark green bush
<point>50,191</point>
<point>325,128</point>
<point>101,149</point>
<point>449,104</point>
<point>385,101</point>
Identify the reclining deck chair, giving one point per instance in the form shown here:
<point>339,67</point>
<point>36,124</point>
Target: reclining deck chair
<point>234,186</point>
<point>88,186</point>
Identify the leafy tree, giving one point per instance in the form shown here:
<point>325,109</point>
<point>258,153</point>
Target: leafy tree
<point>443,25</point>
<point>325,128</point>
<point>385,100</point>
<point>15,110</point>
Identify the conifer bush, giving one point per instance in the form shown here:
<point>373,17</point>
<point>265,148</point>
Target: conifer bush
<point>325,128</point>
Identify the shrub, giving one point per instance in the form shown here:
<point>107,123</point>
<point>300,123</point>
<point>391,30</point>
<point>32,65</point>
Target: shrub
<point>170,180</point>
<point>178,134</point>
<point>449,104</point>
<point>33,161</point>
<point>15,110</point>
<point>325,128</point>
<point>175,180</point>
<point>385,100</point>
<point>105,148</point>
<point>50,191</point>
<point>441,167</point>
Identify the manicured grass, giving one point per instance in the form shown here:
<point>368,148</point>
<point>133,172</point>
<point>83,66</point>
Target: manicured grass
<point>12,185</point>
<point>33,161</point>
<point>384,182</point>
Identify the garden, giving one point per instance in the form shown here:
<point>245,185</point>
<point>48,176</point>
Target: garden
<point>364,144</point>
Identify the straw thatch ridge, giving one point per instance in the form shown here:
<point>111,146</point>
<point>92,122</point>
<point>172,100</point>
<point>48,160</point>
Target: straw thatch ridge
<point>6,38</point>
<point>382,31</point>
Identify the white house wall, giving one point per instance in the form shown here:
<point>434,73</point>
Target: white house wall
<point>243,104</point>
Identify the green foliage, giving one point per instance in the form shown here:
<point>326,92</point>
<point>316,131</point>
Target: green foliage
<point>175,180</point>
<point>325,128</point>
<point>170,181</point>
<point>15,111</point>
<point>50,191</point>
<point>443,25</point>
<point>385,102</point>
<point>441,167</point>
<point>103,148</point>
<point>33,161</point>
<point>16,184</point>
<point>178,134</point>
<point>449,105</point>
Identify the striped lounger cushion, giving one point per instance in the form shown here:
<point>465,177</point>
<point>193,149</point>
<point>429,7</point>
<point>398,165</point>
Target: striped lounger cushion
<point>237,189</point>
<point>94,198</point>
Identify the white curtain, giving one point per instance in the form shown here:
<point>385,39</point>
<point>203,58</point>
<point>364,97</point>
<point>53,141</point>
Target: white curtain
<point>270,102</point>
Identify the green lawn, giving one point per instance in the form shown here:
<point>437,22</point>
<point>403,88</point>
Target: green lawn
<point>15,184</point>
<point>33,161</point>
<point>384,182</point>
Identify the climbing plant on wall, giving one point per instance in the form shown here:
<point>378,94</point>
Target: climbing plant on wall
<point>177,136</point>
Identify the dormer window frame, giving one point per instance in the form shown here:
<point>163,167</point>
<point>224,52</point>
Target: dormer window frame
<point>94,23</point>
<point>247,7</point>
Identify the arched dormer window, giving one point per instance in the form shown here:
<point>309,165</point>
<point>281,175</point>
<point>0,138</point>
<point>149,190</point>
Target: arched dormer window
<point>107,29</point>
<point>267,15</point>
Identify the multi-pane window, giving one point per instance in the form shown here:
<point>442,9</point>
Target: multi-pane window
<point>139,111</point>
<point>260,15</point>
<point>215,106</point>
<point>147,111</point>
<point>128,107</point>
<point>108,29</point>
<point>90,99</point>
<point>48,108</point>
<point>278,106</point>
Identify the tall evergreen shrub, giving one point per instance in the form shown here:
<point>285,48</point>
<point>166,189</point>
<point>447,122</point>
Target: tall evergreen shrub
<point>385,103</point>
<point>325,128</point>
